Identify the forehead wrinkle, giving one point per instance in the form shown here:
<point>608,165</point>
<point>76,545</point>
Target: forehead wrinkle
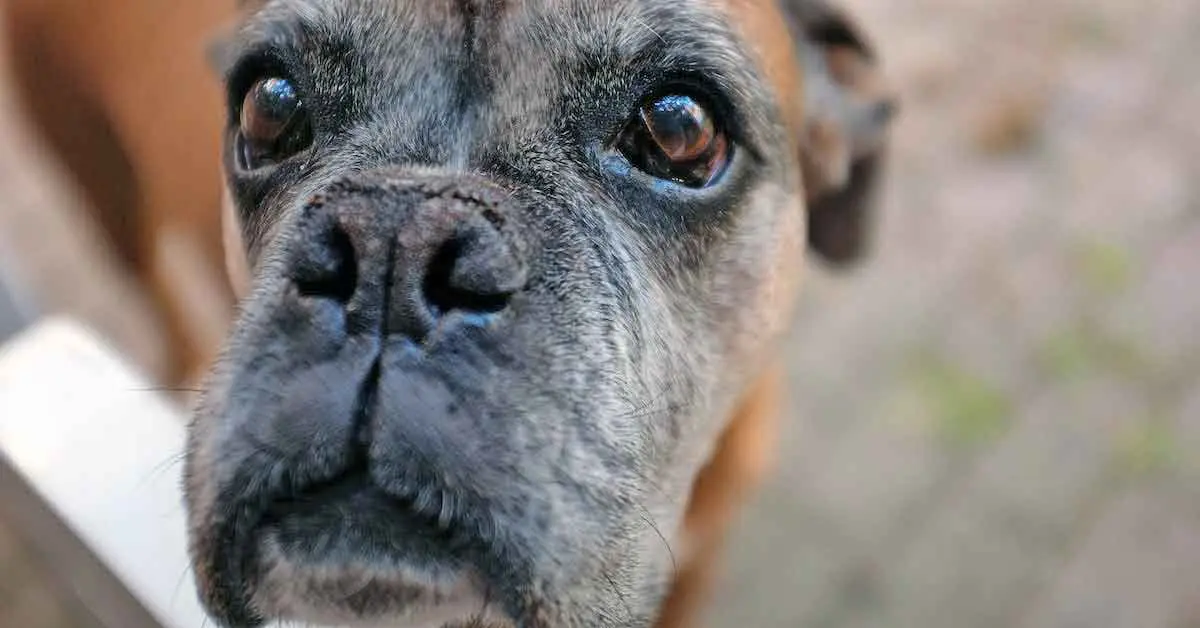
<point>381,33</point>
<point>633,33</point>
<point>284,25</point>
<point>294,18</point>
<point>482,9</point>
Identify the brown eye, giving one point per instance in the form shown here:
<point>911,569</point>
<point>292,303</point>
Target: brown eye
<point>674,137</point>
<point>273,123</point>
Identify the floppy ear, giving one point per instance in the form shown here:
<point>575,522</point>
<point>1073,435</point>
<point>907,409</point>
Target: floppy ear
<point>848,110</point>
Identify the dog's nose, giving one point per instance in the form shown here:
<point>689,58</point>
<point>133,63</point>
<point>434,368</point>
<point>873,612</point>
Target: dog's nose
<point>412,253</point>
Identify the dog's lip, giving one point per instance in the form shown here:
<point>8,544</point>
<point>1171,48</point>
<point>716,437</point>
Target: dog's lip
<point>347,553</point>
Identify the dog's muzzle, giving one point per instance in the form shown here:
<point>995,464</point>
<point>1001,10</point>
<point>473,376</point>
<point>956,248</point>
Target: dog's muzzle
<point>341,482</point>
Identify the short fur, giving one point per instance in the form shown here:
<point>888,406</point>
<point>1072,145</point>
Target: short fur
<point>574,458</point>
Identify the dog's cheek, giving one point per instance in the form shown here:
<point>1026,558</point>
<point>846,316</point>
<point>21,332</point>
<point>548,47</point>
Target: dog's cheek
<point>760,289</point>
<point>777,295</point>
<point>200,486</point>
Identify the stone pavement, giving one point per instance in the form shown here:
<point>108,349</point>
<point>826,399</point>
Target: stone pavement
<point>996,422</point>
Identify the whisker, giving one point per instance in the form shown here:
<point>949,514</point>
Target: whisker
<point>171,389</point>
<point>648,412</point>
<point>160,468</point>
<point>640,22</point>
<point>649,520</point>
<point>487,601</point>
<point>259,444</point>
<point>179,585</point>
<point>363,587</point>
<point>620,594</point>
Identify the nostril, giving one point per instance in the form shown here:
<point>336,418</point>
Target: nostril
<point>451,284</point>
<point>331,271</point>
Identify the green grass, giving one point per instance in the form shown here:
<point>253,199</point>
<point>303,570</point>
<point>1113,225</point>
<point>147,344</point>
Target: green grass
<point>963,408</point>
<point>1105,268</point>
<point>1083,350</point>
<point>1148,449</point>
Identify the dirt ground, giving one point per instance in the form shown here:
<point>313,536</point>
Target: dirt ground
<point>996,422</point>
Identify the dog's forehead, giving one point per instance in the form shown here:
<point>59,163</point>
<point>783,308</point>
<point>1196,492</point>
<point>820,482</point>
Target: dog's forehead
<point>483,36</point>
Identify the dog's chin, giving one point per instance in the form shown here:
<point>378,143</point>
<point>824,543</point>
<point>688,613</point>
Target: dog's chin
<point>364,594</point>
<point>358,559</point>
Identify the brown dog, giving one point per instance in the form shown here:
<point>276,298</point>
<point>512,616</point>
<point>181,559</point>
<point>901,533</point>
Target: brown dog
<point>122,92</point>
<point>439,204</point>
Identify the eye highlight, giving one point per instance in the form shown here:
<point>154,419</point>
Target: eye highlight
<point>675,137</point>
<point>273,123</point>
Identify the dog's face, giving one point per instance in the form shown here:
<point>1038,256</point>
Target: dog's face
<point>513,265</point>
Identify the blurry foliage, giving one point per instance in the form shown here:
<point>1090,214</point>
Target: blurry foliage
<point>1148,449</point>
<point>963,408</point>
<point>1105,268</point>
<point>1085,349</point>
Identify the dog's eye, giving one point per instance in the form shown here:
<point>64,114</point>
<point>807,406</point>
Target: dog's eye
<point>675,137</point>
<point>274,123</point>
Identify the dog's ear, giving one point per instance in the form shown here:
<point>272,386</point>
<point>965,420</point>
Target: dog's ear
<point>848,110</point>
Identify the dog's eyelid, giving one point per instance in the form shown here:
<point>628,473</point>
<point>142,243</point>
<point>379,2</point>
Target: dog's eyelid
<point>230,49</point>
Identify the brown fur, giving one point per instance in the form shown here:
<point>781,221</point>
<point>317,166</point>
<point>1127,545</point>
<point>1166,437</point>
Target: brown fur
<point>743,457</point>
<point>121,91</point>
<point>762,23</point>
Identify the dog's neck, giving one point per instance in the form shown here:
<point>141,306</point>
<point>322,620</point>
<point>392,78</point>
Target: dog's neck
<point>741,459</point>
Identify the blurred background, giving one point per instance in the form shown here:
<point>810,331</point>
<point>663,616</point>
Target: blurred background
<point>995,422</point>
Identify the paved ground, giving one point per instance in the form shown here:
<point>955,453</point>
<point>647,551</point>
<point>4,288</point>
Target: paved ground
<point>997,422</point>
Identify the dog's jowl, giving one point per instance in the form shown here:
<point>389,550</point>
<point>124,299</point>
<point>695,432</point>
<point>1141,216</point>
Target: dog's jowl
<point>517,275</point>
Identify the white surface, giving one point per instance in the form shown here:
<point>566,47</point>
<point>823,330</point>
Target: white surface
<point>95,440</point>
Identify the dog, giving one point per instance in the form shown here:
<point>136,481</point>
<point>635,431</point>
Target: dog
<point>513,276</point>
